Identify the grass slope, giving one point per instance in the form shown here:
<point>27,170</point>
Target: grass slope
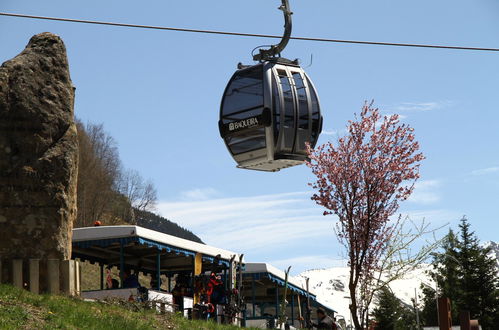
<point>20,309</point>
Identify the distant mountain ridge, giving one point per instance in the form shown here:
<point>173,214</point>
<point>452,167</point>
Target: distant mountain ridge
<point>494,250</point>
<point>331,284</point>
<point>153,221</point>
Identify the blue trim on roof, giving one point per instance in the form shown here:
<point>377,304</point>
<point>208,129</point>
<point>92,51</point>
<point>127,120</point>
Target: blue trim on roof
<point>325,307</point>
<point>127,240</point>
<point>212,260</point>
<point>281,282</point>
<point>144,241</point>
<point>105,242</point>
<point>168,248</point>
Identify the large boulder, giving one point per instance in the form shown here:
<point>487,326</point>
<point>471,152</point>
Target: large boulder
<point>38,152</point>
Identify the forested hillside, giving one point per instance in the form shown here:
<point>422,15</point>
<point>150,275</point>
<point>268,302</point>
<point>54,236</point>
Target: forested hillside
<point>112,194</point>
<point>155,222</point>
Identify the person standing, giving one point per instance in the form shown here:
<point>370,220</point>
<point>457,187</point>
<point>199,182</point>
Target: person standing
<point>324,321</point>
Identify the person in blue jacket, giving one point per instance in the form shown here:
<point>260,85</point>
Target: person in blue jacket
<point>130,280</point>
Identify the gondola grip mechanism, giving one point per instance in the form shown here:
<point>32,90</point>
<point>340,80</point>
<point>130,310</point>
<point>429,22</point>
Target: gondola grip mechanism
<point>274,50</point>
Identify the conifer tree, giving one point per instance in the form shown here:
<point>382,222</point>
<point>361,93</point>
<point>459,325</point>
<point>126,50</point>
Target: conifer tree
<point>478,283</point>
<point>468,276</point>
<point>391,313</point>
<point>429,315</point>
<point>446,272</point>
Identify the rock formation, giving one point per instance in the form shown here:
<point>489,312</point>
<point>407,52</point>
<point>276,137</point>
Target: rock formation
<point>38,152</point>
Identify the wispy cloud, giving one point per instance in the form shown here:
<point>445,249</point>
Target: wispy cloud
<point>418,106</point>
<point>426,192</point>
<point>334,132</point>
<point>436,217</point>
<point>401,117</point>
<point>484,171</point>
<point>199,194</point>
<point>250,223</point>
<point>273,227</point>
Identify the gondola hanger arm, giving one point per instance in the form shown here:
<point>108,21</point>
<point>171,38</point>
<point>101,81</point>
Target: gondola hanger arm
<point>275,50</point>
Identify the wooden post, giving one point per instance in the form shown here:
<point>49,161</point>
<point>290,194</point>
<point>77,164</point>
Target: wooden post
<point>17,273</point>
<point>198,265</point>
<point>444,311</point>
<point>34,275</point>
<point>464,320</point>
<point>53,276</point>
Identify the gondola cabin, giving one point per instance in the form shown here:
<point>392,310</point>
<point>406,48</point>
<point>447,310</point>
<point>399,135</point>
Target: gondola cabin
<point>268,112</point>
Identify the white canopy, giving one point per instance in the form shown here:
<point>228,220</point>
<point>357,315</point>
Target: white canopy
<point>111,232</point>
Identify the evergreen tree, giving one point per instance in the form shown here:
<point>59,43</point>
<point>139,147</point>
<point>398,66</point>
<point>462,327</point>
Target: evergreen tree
<point>429,315</point>
<point>478,283</point>
<point>446,274</point>
<point>391,313</point>
<point>465,274</point>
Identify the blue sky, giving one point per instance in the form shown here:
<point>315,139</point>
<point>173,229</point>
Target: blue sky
<point>158,95</point>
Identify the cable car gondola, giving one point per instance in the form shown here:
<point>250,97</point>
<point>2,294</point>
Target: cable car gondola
<point>270,110</point>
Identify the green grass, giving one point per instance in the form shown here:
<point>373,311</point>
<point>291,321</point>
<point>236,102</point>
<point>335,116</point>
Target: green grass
<point>20,309</point>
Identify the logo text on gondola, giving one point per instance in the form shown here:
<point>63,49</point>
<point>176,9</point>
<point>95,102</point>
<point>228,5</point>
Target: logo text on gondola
<point>246,123</point>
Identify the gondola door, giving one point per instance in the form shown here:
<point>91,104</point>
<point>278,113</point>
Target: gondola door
<point>287,113</point>
<point>302,98</point>
<point>293,128</point>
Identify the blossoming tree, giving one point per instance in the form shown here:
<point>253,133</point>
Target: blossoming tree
<point>361,180</point>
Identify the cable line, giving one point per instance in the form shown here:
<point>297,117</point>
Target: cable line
<point>375,43</point>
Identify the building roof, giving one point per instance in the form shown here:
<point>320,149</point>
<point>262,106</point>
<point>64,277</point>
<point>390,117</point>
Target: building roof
<point>295,283</point>
<point>106,235</point>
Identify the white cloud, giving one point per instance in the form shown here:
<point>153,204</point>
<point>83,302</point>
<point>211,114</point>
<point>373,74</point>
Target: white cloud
<point>418,106</point>
<point>330,132</point>
<point>251,223</point>
<point>425,192</point>
<point>334,132</point>
<point>199,194</point>
<point>273,227</point>
<point>401,117</point>
<point>436,217</point>
<point>485,171</point>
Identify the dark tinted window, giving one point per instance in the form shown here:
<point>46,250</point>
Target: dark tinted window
<point>244,92</point>
<point>302,101</point>
<point>246,141</point>
<point>242,115</point>
<point>276,109</point>
<point>315,114</point>
<point>289,115</point>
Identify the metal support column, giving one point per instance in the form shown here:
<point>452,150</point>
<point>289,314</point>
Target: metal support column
<point>122,265</point>
<point>225,279</point>
<point>158,270</point>
<point>253,294</point>
<point>276,301</point>
<point>292,308</point>
<point>102,276</point>
<point>192,274</point>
